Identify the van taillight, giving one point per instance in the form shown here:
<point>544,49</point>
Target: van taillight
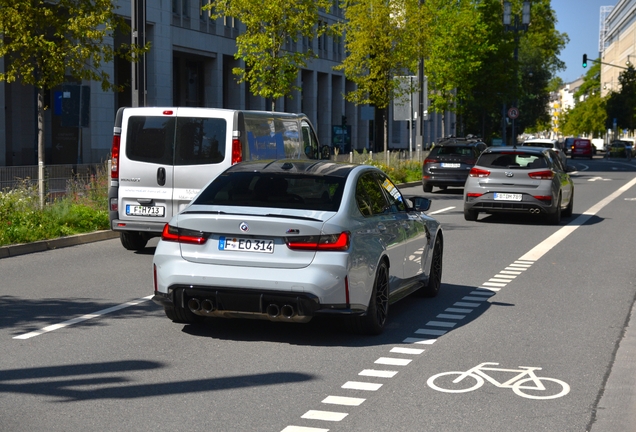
<point>237,151</point>
<point>114,158</point>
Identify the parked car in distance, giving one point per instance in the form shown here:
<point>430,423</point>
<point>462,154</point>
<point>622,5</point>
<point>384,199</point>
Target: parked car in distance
<point>567,144</point>
<point>548,143</point>
<point>524,179</point>
<point>617,148</point>
<point>288,240</point>
<point>449,162</point>
<point>582,148</point>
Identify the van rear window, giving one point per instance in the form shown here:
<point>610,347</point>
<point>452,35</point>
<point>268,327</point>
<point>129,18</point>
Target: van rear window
<point>150,139</point>
<point>200,140</point>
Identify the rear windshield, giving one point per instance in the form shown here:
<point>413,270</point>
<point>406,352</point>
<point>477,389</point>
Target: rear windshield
<point>280,190</point>
<point>451,150</point>
<point>196,140</point>
<point>538,144</point>
<point>512,160</point>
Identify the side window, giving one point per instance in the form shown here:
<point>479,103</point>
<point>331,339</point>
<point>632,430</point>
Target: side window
<point>393,195</point>
<point>555,161</point>
<point>369,196</point>
<point>310,142</point>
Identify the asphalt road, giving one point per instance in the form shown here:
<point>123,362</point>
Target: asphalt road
<point>82,347</point>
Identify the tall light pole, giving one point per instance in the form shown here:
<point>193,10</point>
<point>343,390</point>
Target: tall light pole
<point>517,27</point>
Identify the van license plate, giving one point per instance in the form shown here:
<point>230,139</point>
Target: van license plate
<point>246,245</point>
<point>507,197</point>
<point>138,210</point>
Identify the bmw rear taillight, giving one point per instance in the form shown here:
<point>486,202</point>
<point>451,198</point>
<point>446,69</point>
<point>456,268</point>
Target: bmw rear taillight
<point>114,158</point>
<point>541,175</point>
<point>478,172</point>
<point>237,151</point>
<point>180,235</point>
<point>332,242</point>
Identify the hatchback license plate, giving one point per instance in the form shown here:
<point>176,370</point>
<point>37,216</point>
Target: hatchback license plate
<point>507,197</point>
<point>138,210</point>
<point>450,165</point>
<point>246,245</point>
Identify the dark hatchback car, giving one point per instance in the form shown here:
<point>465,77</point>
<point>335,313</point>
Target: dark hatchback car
<point>449,163</point>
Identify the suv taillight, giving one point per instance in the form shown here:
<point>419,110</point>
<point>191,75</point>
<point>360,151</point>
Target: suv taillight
<point>430,161</point>
<point>478,172</point>
<point>114,158</point>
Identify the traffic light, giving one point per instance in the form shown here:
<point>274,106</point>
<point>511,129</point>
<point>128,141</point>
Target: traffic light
<point>584,60</point>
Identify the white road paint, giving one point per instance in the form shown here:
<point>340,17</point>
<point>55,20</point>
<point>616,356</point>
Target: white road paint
<point>393,361</point>
<point>378,373</point>
<point>342,400</point>
<point>440,211</point>
<point>400,350</point>
<point>303,429</point>
<point>83,318</point>
<point>357,385</point>
<point>324,415</point>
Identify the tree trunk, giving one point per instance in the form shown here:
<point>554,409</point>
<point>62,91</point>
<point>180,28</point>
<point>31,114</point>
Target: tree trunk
<point>385,125</point>
<point>41,146</point>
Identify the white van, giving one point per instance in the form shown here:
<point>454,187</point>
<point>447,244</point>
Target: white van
<point>162,156</point>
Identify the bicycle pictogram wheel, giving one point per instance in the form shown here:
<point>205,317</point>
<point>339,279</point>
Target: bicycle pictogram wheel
<point>479,381</point>
<point>518,388</point>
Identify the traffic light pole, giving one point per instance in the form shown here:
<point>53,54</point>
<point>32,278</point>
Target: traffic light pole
<point>600,62</point>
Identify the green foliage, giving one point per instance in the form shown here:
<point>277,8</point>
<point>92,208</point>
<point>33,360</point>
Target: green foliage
<point>622,105</point>
<point>270,70</point>
<point>83,209</point>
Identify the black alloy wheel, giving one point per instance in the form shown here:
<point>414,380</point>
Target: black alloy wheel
<point>377,313</point>
<point>435,275</point>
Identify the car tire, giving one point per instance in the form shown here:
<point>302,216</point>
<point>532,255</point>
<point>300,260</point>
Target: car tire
<point>435,275</point>
<point>568,210</point>
<point>471,215</point>
<point>133,240</point>
<point>555,218</point>
<point>373,322</point>
<point>428,188</point>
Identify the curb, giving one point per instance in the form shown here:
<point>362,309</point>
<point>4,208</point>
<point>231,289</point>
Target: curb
<point>44,245</point>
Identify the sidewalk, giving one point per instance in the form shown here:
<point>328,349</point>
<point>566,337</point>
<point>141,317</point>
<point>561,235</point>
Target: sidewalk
<point>44,245</point>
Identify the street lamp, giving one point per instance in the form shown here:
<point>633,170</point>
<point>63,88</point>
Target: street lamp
<point>516,28</point>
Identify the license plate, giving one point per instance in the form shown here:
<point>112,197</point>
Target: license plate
<point>450,165</point>
<point>507,197</point>
<point>246,245</point>
<point>138,210</point>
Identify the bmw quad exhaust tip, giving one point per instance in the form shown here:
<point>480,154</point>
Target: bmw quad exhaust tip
<point>287,311</point>
<point>194,305</point>
<point>273,310</point>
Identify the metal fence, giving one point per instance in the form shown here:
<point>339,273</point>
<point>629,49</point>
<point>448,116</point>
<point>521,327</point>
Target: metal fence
<point>56,177</point>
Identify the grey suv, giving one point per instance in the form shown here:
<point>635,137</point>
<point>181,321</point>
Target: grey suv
<point>449,162</point>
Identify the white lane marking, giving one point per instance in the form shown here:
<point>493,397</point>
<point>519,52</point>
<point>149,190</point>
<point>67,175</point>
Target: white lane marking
<point>441,323</point>
<point>450,316</point>
<point>431,332</point>
<point>399,350</point>
<point>473,298</point>
<point>83,318</point>
<point>393,361</point>
<point>493,289</point>
<point>466,304</point>
<point>505,276</point>
<point>542,248</point>
<point>519,261</point>
<point>516,273</point>
<point>496,279</point>
<point>324,415</point>
<point>598,178</point>
<point>378,373</point>
<point>303,429</point>
<point>411,340</point>
<point>357,385</point>
<point>493,284</point>
<point>441,211</point>
<point>343,400</point>
<point>458,310</point>
<point>482,291</point>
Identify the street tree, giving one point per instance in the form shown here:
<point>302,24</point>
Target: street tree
<point>589,115</point>
<point>621,105</point>
<point>270,68</point>
<point>45,42</point>
<point>382,41</point>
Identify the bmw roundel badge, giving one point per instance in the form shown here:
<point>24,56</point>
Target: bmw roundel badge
<point>244,227</point>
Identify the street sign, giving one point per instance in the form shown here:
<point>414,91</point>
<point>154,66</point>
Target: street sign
<point>513,113</point>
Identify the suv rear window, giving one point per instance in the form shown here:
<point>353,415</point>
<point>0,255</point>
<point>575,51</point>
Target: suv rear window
<point>512,160</point>
<point>449,150</point>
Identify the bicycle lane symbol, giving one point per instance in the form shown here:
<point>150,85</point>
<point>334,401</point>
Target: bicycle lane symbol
<point>521,384</point>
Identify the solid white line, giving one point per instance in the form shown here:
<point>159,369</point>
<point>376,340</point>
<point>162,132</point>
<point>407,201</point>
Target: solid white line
<point>450,316</point>
<point>378,373</point>
<point>82,318</point>
<point>542,248</point>
<point>357,385</point>
<point>441,324</point>
<point>458,310</point>
<point>400,350</point>
<point>324,415</point>
<point>393,361</point>
<point>303,429</point>
<point>411,340</point>
<point>440,211</point>
<point>342,400</point>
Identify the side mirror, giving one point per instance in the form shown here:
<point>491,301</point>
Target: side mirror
<point>420,203</point>
<point>309,152</point>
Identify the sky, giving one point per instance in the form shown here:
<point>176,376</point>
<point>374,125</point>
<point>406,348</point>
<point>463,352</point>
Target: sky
<point>580,20</point>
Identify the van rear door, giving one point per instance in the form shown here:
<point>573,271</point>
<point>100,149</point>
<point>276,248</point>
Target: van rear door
<point>203,149</point>
<point>145,168</point>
